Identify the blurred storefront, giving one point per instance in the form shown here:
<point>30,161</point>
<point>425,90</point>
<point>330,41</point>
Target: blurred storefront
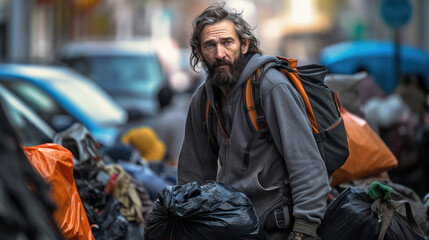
<point>296,28</point>
<point>33,29</point>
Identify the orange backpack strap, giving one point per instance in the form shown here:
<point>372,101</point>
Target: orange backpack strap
<point>249,103</point>
<point>296,82</point>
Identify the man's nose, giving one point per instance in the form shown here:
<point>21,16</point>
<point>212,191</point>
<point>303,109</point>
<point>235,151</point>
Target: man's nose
<point>220,52</point>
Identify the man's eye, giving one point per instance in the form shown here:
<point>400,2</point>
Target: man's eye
<point>228,42</point>
<point>209,46</point>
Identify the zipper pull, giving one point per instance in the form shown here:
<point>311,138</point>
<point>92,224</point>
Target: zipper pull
<point>226,141</point>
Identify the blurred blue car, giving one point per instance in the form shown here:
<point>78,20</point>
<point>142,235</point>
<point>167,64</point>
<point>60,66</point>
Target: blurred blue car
<point>130,71</point>
<point>377,58</point>
<point>61,96</point>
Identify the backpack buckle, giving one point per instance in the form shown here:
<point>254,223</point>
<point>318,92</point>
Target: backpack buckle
<point>263,130</point>
<point>260,120</point>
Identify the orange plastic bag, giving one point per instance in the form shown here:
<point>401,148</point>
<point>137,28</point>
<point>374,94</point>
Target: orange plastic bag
<point>369,155</point>
<point>55,164</point>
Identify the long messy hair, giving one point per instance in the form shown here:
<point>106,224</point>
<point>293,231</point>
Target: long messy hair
<point>214,14</point>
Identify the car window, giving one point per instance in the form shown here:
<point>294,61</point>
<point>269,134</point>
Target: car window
<point>139,75</point>
<point>42,103</point>
<point>30,128</point>
<point>28,133</point>
<point>93,103</point>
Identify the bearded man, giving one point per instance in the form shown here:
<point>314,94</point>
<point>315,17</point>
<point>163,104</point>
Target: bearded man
<point>285,178</point>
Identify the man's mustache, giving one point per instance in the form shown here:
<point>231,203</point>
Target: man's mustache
<point>221,62</point>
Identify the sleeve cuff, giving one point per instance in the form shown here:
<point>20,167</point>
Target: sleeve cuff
<point>305,227</point>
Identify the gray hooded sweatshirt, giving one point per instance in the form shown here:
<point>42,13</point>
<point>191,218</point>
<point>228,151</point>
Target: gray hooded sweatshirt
<point>287,169</point>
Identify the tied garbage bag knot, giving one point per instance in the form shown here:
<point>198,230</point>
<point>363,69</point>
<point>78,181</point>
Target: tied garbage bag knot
<point>379,191</point>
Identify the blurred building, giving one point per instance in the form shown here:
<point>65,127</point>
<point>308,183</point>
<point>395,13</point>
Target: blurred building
<point>295,28</point>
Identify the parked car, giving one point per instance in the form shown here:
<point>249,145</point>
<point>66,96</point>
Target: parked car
<point>30,128</point>
<point>377,58</point>
<point>130,71</point>
<point>61,96</point>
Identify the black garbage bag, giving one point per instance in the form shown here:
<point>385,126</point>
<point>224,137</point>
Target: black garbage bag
<point>210,211</point>
<point>351,216</point>
<point>112,225</point>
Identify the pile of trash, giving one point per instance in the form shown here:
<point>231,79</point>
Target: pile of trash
<point>94,199</point>
<point>100,197</point>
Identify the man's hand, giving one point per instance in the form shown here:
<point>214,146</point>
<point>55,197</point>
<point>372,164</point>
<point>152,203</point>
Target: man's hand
<point>301,236</point>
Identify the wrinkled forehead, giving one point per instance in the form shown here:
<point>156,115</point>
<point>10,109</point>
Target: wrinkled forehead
<point>220,30</point>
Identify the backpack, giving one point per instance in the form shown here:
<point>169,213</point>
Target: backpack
<point>322,108</point>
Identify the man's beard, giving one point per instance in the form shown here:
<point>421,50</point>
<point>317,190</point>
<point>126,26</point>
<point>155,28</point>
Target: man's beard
<point>225,76</point>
